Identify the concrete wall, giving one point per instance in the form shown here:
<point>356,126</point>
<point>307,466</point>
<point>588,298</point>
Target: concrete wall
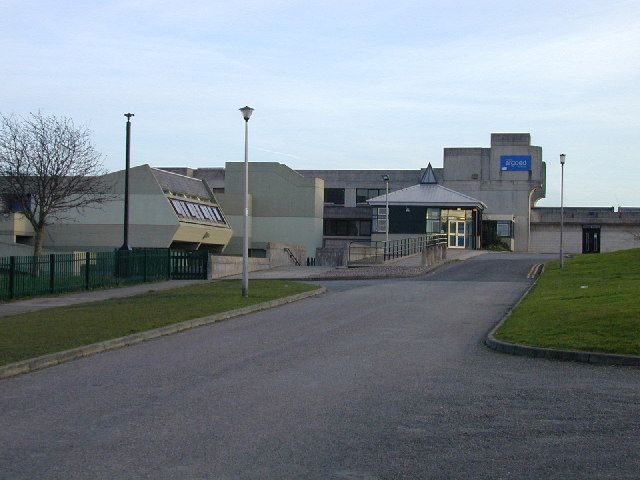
<point>545,238</point>
<point>278,256</point>
<point>285,206</point>
<point>619,230</point>
<point>619,238</point>
<point>331,257</point>
<point>12,224</point>
<point>476,172</point>
<point>10,249</point>
<point>224,266</point>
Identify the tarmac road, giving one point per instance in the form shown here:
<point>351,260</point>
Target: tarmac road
<point>376,379</point>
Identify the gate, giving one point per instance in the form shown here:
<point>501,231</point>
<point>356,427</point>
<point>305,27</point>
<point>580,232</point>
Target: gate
<point>188,265</point>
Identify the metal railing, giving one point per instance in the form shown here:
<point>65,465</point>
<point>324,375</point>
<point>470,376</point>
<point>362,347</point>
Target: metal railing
<point>377,252</point>
<point>28,276</point>
<point>292,256</point>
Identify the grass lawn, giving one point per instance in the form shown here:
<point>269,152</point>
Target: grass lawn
<point>47,331</point>
<point>560,313</point>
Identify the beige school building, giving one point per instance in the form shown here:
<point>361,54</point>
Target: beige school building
<point>480,196</point>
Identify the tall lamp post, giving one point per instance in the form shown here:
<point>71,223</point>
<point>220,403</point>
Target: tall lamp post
<point>385,179</point>
<point>562,160</point>
<point>246,114</point>
<point>125,243</point>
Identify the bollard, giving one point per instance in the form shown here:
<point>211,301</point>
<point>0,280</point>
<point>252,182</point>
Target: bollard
<point>432,256</point>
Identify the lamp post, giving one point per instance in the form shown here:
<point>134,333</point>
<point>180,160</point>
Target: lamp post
<point>125,243</point>
<point>562,160</point>
<point>246,114</point>
<point>385,179</point>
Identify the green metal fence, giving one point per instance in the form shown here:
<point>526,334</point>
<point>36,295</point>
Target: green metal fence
<point>29,276</point>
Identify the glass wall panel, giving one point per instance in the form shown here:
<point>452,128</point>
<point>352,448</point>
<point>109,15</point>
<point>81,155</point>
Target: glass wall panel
<point>346,227</point>
<point>334,196</point>
<point>364,194</point>
<point>379,220</point>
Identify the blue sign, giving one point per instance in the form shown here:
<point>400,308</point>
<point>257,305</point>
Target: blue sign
<point>515,163</point>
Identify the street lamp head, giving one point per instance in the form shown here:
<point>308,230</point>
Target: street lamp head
<point>246,113</point>
<point>129,115</point>
<point>562,158</point>
<point>385,178</point>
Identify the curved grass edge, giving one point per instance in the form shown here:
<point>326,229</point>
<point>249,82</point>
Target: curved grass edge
<point>50,360</point>
<point>519,349</point>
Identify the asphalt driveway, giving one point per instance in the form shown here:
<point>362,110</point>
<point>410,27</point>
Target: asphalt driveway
<point>375,379</point>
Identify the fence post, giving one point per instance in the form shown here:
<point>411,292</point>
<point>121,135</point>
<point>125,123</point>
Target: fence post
<point>169,264</point>
<point>12,277</point>
<point>52,272</point>
<point>144,265</point>
<point>87,261</point>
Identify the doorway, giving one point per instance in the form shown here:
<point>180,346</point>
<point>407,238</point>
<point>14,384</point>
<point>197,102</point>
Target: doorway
<point>457,233</point>
<point>590,239</point>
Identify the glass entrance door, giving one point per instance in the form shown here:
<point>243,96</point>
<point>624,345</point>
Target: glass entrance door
<point>457,234</point>
<point>590,239</point>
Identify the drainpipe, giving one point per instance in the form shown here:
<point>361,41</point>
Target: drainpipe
<point>538,187</point>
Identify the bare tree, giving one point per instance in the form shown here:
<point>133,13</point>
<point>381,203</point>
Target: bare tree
<point>48,167</point>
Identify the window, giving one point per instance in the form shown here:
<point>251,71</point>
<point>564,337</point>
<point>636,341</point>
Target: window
<point>379,220</point>
<point>364,194</point>
<point>15,203</point>
<point>180,208</point>
<point>346,228</point>
<point>365,228</point>
<point>334,196</point>
<point>217,214</point>
<point>208,214</point>
<point>195,211</point>
<point>503,229</point>
<point>433,221</point>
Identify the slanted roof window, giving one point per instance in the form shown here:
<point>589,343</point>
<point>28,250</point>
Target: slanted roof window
<point>198,212</point>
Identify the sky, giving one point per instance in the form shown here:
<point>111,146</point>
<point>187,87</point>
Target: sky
<point>338,84</point>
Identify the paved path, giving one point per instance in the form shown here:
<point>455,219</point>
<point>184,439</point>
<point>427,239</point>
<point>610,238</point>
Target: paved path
<point>300,273</point>
<point>376,379</point>
<point>405,266</point>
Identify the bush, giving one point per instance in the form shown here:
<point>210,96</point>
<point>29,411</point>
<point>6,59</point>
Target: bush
<point>498,247</point>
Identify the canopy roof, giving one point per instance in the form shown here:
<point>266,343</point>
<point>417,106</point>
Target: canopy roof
<point>429,195</point>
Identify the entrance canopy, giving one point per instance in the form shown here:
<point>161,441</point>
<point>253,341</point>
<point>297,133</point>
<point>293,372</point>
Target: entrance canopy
<point>431,209</point>
<point>428,194</point>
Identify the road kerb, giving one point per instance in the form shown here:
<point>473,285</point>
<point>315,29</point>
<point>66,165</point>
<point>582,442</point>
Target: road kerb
<point>596,358</point>
<point>44,361</point>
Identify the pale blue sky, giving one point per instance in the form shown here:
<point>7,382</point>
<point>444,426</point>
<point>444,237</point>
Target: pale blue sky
<point>339,84</point>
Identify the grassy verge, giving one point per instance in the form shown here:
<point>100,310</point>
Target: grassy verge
<point>53,330</point>
<point>593,304</point>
